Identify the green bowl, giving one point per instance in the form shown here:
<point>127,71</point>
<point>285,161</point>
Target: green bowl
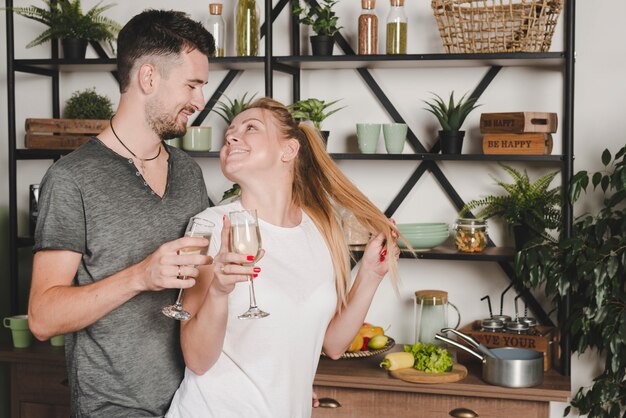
<point>424,242</point>
<point>423,227</point>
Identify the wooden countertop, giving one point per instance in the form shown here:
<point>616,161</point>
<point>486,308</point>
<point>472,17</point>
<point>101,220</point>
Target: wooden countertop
<point>362,373</point>
<point>365,373</point>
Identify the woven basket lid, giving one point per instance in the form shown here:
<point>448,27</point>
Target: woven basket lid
<point>431,297</point>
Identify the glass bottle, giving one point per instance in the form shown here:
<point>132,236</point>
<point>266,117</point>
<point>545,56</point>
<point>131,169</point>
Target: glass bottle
<point>217,27</point>
<point>368,29</point>
<point>247,28</point>
<point>396,28</point>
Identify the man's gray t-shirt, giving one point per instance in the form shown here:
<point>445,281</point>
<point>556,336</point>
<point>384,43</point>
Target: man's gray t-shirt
<point>95,202</point>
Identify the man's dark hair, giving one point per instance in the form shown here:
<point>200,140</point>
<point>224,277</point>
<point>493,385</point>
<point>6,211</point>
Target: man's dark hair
<point>158,32</point>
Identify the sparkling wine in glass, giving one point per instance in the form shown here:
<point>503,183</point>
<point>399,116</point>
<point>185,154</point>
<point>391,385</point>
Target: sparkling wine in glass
<point>197,227</point>
<point>245,238</point>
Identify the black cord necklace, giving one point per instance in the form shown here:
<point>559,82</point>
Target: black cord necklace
<point>141,160</point>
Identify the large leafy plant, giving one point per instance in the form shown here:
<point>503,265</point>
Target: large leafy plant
<point>590,266</point>
<point>451,115</point>
<point>65,20</point>
<point>314,110</point>
<point>532,205</point>
<point>321,18</point>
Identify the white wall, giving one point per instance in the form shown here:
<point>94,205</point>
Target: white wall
<point>599,103</point>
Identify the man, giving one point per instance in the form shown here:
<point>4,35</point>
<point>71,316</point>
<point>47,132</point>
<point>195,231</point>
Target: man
<point>111,217</point>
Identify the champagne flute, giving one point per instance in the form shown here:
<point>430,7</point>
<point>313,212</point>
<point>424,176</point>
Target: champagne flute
<point>245,238</point>
<point>197,227</point>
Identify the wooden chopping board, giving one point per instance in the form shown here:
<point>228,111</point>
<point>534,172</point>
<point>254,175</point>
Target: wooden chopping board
<point>412,375</point>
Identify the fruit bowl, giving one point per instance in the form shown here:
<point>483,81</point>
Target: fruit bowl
<point>368,353</point>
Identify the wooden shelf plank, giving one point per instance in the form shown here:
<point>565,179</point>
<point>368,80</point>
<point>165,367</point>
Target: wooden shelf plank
<point>542,59</point>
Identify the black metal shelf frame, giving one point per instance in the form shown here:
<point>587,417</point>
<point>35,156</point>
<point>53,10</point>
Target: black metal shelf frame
<point>428,158</point>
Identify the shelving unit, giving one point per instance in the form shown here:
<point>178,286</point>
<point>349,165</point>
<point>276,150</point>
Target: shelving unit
<point>427,160</point>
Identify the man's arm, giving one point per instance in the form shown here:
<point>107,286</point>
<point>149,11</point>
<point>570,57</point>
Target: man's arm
<point>56,307</point>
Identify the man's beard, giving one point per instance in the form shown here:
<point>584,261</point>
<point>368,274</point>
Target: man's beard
<point>165,125</point>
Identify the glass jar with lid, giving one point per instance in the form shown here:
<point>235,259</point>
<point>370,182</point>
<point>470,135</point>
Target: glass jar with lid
<point>470,235</point>
<point>217,27</point>
<point>368,29</point>
<point>247,28</point>
<point>396,28</point>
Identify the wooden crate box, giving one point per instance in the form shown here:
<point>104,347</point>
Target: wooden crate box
<point>61,133</point>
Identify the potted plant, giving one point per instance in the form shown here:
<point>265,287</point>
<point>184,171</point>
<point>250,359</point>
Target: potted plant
<point>323,21</point>
<point>589,265</point>
<point>88,104</point>
<point>451,117</point>
<point>67,22</point>
<point>529,208</point>
<point>314,110</point>
<point>86,114</point>
<point>228,109</point>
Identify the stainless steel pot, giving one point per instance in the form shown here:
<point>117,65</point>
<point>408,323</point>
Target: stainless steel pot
<point>511,367</point>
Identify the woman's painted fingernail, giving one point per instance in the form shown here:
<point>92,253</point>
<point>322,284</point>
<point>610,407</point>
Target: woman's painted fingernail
<point>255,275</point>
<point>383,252</point>
<point>257,269</point>
<point>382,258</point>
<point>250,258</point>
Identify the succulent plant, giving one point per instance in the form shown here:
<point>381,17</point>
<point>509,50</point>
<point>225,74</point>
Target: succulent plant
<point>452,115</point>
<point>228,109</point>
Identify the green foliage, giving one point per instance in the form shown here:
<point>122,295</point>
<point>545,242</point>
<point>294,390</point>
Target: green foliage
<point>88,104</point>
<point>232,192</point>
<point>231,108</point>
<point>429,358</point>
<point>590,265</point>
<point>65,19</point>
<point>530,204</point>
<point>452,115</point>
<point>321,18</point>
<point>313,110</point>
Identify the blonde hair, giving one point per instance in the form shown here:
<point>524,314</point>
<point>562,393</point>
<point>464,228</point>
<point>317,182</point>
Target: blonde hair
<point>320,188</point>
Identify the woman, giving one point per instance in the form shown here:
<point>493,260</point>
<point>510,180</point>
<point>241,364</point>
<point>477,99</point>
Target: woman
<point>265,367</point>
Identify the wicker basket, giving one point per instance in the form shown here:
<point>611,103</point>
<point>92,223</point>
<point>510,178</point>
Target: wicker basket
<point>482,26</point>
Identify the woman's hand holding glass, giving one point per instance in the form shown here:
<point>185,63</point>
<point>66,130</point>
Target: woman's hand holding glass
<point>230,268</point>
